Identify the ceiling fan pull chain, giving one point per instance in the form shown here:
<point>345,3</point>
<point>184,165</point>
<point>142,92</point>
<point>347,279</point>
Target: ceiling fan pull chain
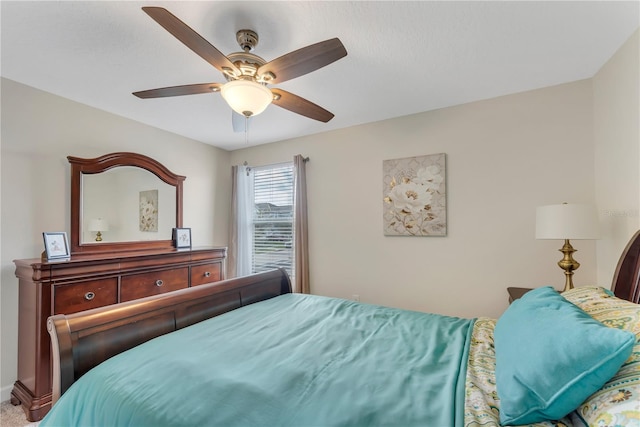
<point>246,130</point>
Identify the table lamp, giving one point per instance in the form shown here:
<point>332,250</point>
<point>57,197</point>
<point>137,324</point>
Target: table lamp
<point>98,225</point>
<point>564,222</point>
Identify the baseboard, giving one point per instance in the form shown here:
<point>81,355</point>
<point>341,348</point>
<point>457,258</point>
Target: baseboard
<point>5,393</point>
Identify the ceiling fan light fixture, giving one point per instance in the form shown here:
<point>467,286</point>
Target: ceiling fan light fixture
<point>246,97</point>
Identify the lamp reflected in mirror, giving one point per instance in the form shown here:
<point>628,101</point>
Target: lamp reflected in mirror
<point>97,226</point>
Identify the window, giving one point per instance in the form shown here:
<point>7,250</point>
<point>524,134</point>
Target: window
<point>273,218</point>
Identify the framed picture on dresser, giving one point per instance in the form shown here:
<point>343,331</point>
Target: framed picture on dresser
<point>182,237</point>
<point>56,246</point>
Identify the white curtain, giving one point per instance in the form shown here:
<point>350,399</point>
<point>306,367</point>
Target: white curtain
<point>301,233</point>
<point>241,239</point>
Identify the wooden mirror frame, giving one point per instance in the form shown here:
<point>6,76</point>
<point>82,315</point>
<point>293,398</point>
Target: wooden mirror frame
<point>80,166</point>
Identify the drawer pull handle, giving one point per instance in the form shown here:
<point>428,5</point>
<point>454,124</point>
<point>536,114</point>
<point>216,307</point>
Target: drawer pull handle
<point>89,296</point>
<point>207,274</point>
<point>159,282</point>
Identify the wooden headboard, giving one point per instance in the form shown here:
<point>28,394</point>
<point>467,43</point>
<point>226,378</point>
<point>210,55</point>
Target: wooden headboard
<point>627,275</point>
<point>83,340</point>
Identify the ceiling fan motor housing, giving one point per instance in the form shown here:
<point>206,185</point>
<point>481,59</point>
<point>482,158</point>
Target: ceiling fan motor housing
<point>247,63</point>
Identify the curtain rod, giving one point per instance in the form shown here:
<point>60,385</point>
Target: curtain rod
<point>246,164</point>
<point>248,168</point>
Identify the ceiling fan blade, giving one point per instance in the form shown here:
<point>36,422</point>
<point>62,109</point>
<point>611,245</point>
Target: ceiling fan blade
<point>179,90</point>
<point>299,105</point>
<point>191,39</point>
<point>240,123</point>
<point>303,61</point>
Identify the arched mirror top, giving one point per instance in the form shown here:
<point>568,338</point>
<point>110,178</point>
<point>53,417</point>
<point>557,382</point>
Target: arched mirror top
<point>136,199</point>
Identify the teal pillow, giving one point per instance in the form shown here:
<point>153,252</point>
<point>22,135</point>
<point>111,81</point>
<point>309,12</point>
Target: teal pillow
<point>551,356</point>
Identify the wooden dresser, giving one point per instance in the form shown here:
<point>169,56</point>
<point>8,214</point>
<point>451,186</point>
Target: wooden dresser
<point>90,281</point>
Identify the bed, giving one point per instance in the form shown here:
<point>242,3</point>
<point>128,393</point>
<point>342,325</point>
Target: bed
<point>246,351</point>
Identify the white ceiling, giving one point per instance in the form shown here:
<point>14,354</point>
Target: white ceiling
<point>403,57</point>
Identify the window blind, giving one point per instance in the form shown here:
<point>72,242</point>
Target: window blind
<point>273,218</point>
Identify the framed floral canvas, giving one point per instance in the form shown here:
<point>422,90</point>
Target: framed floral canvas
<point>414,196</point>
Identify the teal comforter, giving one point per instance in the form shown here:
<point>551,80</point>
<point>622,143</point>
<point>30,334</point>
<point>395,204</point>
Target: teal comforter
<point>294,360</point>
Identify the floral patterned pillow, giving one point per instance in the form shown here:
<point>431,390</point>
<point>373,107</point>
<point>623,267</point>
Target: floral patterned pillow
<point>617,403</point>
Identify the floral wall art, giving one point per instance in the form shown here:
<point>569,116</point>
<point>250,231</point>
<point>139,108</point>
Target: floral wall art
<point>149,210</point>
<point>414,196</point>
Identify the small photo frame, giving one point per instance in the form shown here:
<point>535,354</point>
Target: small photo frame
<point>56,246</point>
<point>182,237</point>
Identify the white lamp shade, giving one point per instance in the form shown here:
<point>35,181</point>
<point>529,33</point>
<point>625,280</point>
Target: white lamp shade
<point>567,221</point>
<point>246,97</point>
<point>98,224</point>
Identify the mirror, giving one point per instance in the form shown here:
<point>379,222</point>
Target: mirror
<point>122,202</point>
<point>144,209</point>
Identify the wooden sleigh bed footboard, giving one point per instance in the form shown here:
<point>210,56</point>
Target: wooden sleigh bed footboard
<point>83,340</point>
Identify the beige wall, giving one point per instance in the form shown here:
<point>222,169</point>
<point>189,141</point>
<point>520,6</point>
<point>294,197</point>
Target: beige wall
<point>616,95</point>
<point>505,156</point>
<point>39,131</point>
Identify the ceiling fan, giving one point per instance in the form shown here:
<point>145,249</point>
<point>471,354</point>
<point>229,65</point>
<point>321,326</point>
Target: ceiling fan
<point>247,74</point>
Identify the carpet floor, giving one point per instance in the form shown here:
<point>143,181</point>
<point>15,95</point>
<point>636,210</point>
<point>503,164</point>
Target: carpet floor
<point>13,416</point>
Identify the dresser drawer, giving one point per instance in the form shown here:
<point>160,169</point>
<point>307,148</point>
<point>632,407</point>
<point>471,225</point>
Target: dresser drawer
<point>206,273</point>
<point>76,297</point>
<point>157,282</point>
